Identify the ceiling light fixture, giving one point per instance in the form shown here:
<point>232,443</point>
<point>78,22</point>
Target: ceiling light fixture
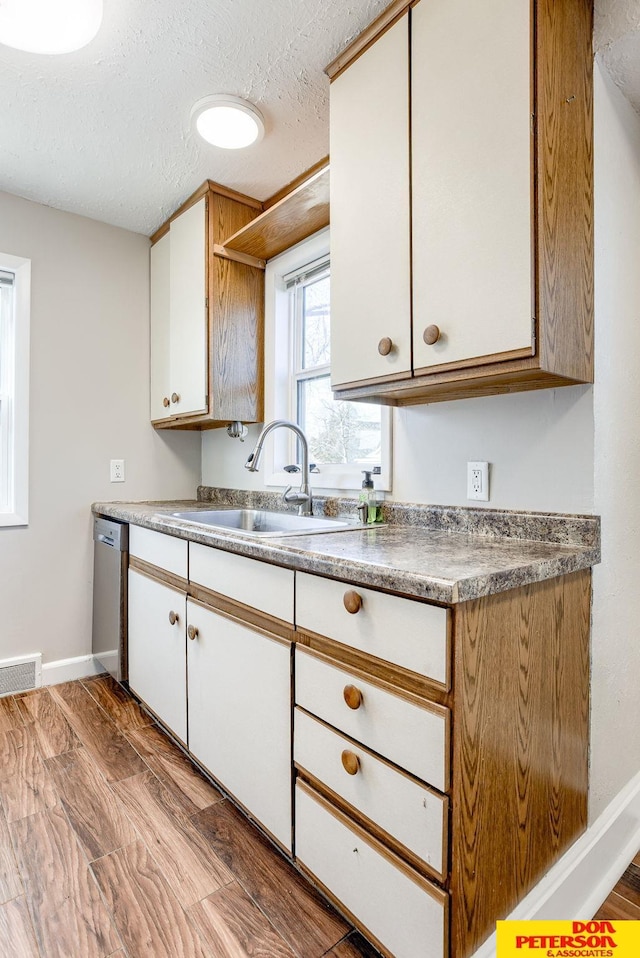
<point>49,26</point>
<point>227,121</point>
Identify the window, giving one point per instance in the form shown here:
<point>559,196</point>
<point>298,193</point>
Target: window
<point>344,437</point>
<point>14,389</point>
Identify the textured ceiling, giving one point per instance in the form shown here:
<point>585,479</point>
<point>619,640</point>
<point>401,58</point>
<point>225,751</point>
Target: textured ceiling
<point>617,43</point>
<point>105,131</point>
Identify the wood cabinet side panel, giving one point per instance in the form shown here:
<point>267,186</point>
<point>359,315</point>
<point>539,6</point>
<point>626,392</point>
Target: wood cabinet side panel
<point>564,158</point>
<point>236,322</point>
<point>520,745</point>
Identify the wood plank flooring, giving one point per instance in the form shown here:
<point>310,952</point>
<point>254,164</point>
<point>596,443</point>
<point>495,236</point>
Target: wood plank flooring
<point>623,904</point>
<point>113,845</point>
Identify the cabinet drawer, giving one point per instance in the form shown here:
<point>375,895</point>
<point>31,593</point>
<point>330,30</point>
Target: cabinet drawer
<point>412,734</point>
<point>160,550</point>
<point>407,633</point>
<point>410,813</point>
<point>407,915</point>
<point>259,585</point>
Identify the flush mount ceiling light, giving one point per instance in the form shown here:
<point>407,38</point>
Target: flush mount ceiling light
<point>49,26</point>
<point>227,121</point>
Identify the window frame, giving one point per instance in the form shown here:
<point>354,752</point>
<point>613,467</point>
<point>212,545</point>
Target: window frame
<point>14,401</point>
<point>280,395</point>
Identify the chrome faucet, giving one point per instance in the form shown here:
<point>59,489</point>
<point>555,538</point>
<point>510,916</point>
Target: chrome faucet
<point>302,499</point>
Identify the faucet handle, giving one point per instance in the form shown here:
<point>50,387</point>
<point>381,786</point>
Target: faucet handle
<point>295,498</point>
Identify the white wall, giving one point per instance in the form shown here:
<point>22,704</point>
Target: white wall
<point>615,745</point>
<point>88,403</point>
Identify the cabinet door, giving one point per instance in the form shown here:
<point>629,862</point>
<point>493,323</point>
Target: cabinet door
<point>187,298</point>
<point>240,715</point>
<point>471,180</point>
<point>157,655</point>
<point>370,224</point>
<point>160,324</point>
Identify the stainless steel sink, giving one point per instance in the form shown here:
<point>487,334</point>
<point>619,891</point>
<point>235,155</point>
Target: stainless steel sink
<point>262,523</point>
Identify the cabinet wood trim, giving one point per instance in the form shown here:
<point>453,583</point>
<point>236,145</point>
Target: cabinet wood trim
<point>385,686</point>
<point>244,614</point>
<point>564,202</point>
<point>476,361</point>
<point>514,376</point>
<point>160,575</point>
<point>368,37</point>
<point>226,252</point>
<point>357,818</point>
<point>520,745</point>
<point>207,186</point>
<point>395,676</point>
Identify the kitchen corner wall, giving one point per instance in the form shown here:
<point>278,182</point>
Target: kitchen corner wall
<point>89,403</point>
<point>615,730</point>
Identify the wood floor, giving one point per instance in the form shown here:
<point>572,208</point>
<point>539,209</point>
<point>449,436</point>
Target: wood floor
<point>112,845</point>
<point>623,904</point>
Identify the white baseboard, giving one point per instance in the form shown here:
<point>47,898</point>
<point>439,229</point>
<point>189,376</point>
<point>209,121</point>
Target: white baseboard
<point>577,885</point>
<point>66,670</point>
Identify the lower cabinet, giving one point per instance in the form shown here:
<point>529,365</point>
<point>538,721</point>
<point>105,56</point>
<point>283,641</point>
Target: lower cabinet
<point>157,640</point>
<point>239,683</point>
<point>403,913</point>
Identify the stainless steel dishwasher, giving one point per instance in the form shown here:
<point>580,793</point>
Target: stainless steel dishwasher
<point>110,561</point>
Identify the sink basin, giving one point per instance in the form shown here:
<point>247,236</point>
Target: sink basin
<point>262,523</point>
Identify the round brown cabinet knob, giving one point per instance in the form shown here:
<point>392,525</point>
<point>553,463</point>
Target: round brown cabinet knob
<point>175,397</point>
<point>352,602</point>
<point>173,617</point>
<point>385,346</point>
<point>192,632</point>
<point>166,402</point>
<point>350,762</point>
<point>352,696</point>
<point>431,335</point>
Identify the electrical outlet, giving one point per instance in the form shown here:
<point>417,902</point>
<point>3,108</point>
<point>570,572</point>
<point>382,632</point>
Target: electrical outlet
<point>478,481</point>
<point>117,470</point>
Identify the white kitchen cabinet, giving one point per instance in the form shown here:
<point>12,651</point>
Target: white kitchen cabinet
<point>239,687</point>
<point>207,316</point>
<point>179,317</point>
<point>471,179</point>
<point>489,184</point>
<point>370,215</point>
<point>157,654</point>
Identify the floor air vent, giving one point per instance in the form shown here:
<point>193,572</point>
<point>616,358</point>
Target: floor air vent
<point>21,674</point>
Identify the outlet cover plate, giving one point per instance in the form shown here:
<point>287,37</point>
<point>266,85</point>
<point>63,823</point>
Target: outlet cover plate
<point>116,470</point>
<point>478,481</point>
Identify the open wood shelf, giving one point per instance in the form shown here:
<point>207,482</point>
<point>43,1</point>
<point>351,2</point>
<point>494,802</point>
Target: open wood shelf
<point>299,213</point>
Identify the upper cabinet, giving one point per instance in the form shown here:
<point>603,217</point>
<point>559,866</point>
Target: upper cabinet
<point>462,201</point>
<point>207,317</point>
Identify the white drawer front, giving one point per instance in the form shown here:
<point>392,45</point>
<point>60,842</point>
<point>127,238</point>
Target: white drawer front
<point>412,814</point>
<point>160,550</point>
<point>414,737</point>
<point>404,917</point>
<point>408,633</point>
<point>256,584</point>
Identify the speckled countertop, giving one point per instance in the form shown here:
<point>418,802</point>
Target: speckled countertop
<point>444,554</point>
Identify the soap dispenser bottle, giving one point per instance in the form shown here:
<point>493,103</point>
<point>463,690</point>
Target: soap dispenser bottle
<point>363,498</point>
<point>376,499</point>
